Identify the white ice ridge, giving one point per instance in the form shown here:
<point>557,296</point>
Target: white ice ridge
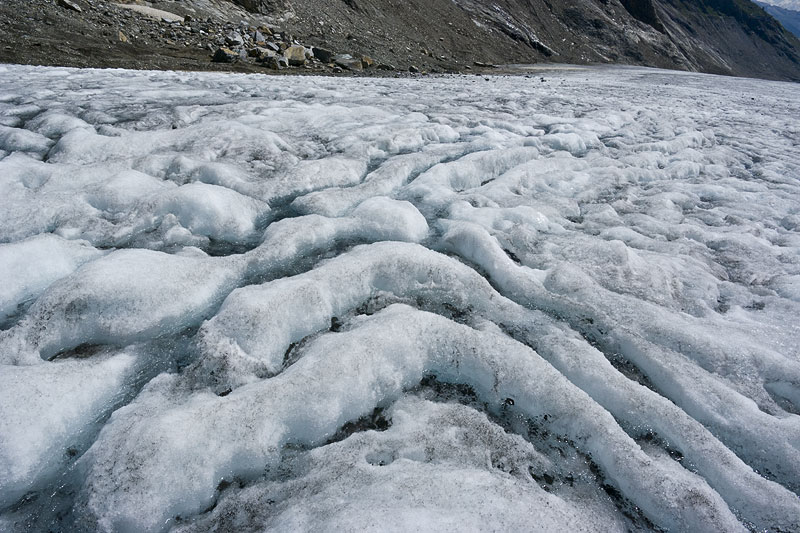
<point>130,296</point>
<point>139,483</point>
<point>558,302</point>
<point>291,309</point>
<point>644,336</point>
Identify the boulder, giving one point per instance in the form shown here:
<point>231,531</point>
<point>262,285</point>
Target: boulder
<point>234,38</point>
<point>276,62</point>
<point>295,55</point>
<point>271,62</point>
<point>323,54</point>
<point>260,53</point>
<point>70,5</point>
<point>224,55</point>
<point>346,61</point>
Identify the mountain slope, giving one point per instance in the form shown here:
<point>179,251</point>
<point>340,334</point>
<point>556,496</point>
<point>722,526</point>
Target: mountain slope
<point>720,36</point>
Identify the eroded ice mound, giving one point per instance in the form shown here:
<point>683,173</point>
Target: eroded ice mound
<point>241,303</point>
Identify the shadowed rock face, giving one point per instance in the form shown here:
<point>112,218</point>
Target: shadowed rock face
<point>732,36</point>
<point>645,11</point>
<point>264,6</point>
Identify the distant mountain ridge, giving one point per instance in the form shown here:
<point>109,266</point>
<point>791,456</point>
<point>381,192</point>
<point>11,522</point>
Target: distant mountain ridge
<point>792,5</point>
<point>789,18</point>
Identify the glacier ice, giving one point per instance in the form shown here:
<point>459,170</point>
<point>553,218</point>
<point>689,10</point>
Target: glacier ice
<point>54,258</point>
<point>47,409</point>
<point>455,303</point>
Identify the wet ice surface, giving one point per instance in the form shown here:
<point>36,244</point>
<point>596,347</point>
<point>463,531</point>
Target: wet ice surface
<point>566,302</point>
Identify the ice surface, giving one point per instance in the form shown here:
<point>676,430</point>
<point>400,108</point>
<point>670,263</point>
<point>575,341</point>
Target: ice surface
<point>426,469</point>
<point>375,362</point>
<point>127,296</point>
<point>45,412</point>
<point>454,303</point>
<point>29,266</point>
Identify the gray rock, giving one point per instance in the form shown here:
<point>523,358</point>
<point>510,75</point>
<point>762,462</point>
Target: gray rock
<point>234,38</point>
<point>260,53</point>
<point>323,54</point>
<point>70,5</point>
<point>224,55</point>
<point>276,62</point>
<point>346,61</point>
<point>271,62</point>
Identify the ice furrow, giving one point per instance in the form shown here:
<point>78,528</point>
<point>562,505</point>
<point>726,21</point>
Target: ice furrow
<point>383,181</point>
<point>287,310</point>
<point>560,292</point>
<point>58,257</point>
